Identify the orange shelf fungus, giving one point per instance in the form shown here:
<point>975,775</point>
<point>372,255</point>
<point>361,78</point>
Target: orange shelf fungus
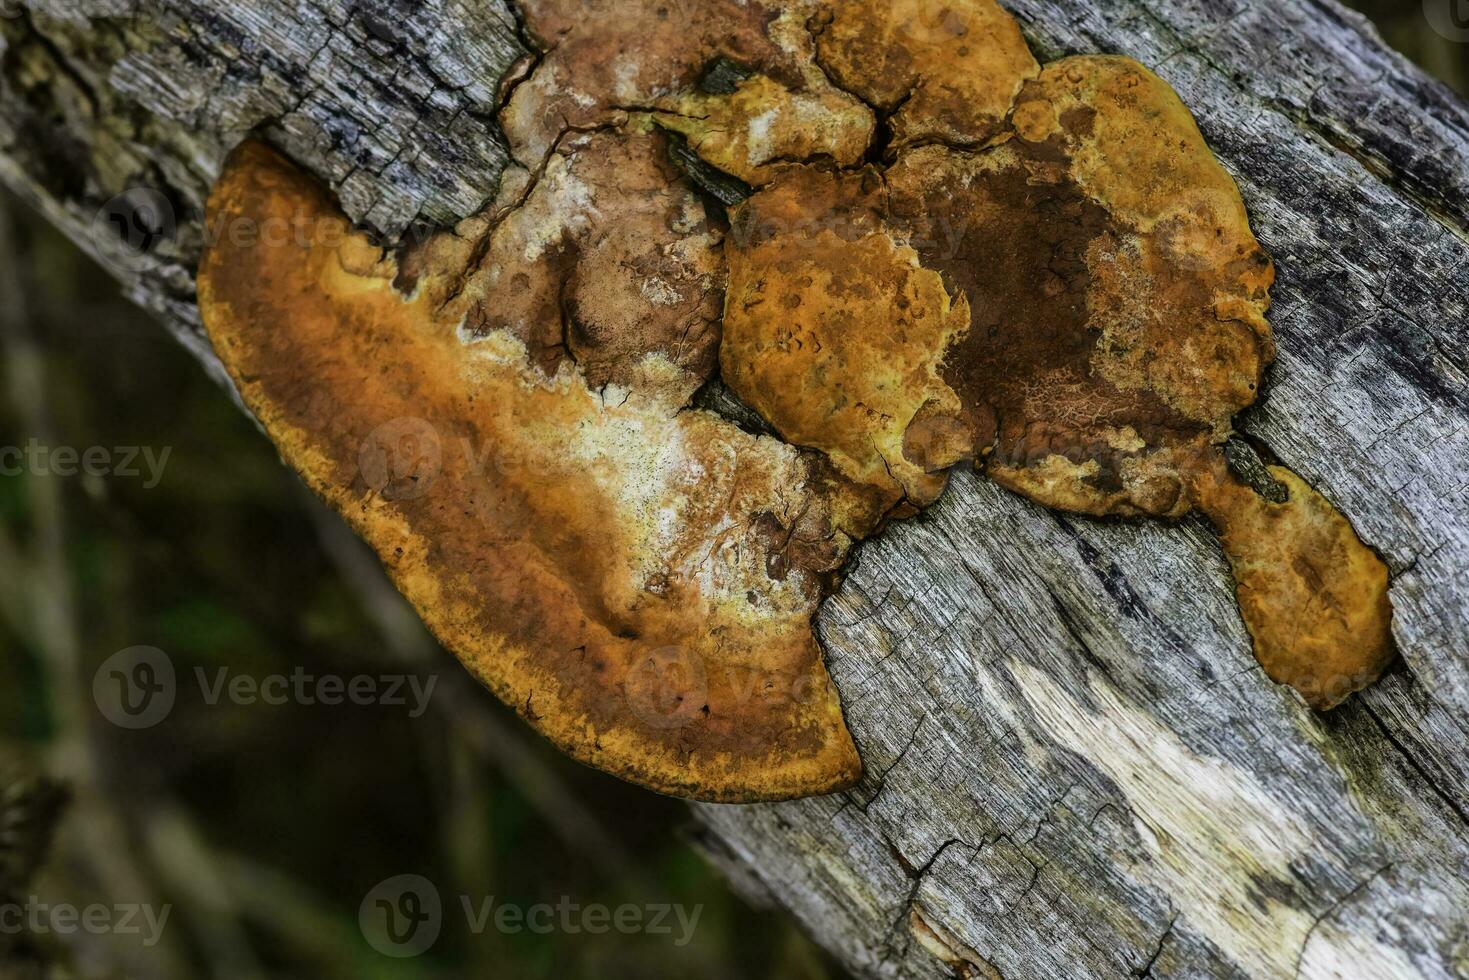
<point>949,254</point>
<point>636,578</point>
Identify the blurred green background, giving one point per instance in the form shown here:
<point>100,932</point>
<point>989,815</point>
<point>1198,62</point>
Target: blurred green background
<point>265,827</point>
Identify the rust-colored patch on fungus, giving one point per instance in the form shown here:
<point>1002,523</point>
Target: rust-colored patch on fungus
<point>951,254</point>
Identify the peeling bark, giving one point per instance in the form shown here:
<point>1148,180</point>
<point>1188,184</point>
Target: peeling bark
<point>1074,765</point>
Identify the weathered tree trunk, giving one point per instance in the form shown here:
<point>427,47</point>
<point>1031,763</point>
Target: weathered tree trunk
<point>1074,766</point>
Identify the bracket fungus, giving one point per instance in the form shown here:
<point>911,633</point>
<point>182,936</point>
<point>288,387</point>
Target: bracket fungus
<point>945,253</point>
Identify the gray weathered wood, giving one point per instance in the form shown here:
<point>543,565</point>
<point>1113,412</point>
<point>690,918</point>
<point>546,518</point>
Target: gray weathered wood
<point>1074,766</point>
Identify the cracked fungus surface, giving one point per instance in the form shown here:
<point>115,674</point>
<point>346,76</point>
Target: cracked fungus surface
<point>941,252</point>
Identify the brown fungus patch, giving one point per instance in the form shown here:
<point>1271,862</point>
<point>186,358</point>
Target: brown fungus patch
<point>579,272</point>
<point>599,57</point>
<point>607,58</point>
<point>1045,272</point>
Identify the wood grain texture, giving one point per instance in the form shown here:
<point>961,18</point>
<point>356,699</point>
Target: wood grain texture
<point>1074,766</point>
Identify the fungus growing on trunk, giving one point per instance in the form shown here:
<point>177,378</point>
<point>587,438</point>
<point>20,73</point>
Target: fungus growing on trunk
<point>636,578</point>
<point>950,254</point>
